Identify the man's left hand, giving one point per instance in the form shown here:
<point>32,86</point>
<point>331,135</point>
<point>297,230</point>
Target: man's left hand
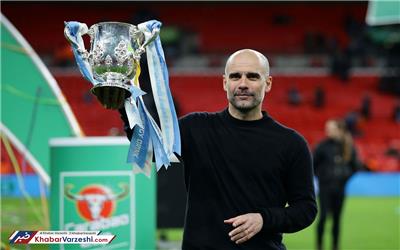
<point>246,226</point>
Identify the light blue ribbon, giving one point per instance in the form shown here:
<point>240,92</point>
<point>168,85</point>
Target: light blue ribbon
<point>139,143</point>
<point>141,138</point>
<point>74,32</point>
<point>161,157</point>
<point>163,71</point>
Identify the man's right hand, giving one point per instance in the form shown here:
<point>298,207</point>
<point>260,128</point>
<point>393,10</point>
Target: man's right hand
<point>245,226</point>
<point>111,97</point>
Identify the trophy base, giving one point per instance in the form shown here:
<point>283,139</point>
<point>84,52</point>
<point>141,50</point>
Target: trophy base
<point>111,95</point>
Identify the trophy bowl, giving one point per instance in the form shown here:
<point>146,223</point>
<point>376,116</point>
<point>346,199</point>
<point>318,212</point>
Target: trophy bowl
<point>114,56</point>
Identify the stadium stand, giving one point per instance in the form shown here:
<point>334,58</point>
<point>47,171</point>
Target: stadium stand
<point>284,26</point>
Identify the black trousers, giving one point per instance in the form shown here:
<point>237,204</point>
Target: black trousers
<point>331,203</point>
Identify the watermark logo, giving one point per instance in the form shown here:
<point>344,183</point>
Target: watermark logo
<point>21,237</point>
<point>60,237</point>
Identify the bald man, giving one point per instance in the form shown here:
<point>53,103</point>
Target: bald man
<point>249,179</point>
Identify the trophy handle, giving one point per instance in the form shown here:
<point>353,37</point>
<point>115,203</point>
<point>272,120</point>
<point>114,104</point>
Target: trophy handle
<point>82,30</point>
<point>153,37</point>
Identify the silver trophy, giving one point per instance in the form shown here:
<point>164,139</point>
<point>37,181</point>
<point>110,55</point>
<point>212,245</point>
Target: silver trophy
<point>114,55</point>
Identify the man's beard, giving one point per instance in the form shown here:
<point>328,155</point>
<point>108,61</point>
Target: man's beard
<point>244,106</point>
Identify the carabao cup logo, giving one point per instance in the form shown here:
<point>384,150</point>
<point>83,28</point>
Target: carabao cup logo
<point>96,201</point>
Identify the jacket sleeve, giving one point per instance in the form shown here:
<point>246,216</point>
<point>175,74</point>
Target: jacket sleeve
<point>301,208</point>
<point>124,119</point>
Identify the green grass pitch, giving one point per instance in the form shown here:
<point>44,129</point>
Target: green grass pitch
<point>367,223</point>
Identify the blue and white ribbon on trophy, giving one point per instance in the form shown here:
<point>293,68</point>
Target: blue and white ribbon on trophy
<point>73,32</point>
<point>147,138</point>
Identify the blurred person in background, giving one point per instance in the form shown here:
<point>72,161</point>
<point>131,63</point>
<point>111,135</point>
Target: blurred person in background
<point>365,110</point>
<point>335,161</point>
<point>248,178</point>
<point>294,96</point>
<point>352,120</point>
<point>340,65</point>
<point>319,97</point>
